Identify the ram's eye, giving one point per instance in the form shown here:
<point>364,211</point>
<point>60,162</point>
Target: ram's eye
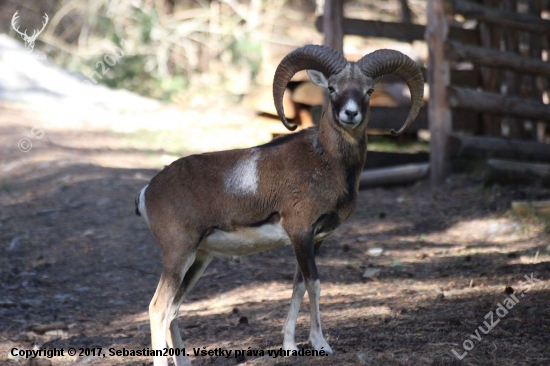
<point>370,91</point>
<point>331,89</point>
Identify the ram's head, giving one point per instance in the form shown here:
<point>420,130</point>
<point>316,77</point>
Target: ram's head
<point>349,84</point>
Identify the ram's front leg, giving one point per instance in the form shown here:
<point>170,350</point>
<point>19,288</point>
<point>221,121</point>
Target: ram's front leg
<point>305,256</point>
<point>298,291</point>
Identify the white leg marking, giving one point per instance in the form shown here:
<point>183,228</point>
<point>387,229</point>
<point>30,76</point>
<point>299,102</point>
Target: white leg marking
<point>162,311</point>
<point>298,291</point>
<point>175,341</point>
<point>158,336</point>
<point>166,322</point>
<point>173,335</point>
<point>316,338</point>
<point>243,178</point>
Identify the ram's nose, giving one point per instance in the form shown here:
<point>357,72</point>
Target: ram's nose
<point>351,113</point>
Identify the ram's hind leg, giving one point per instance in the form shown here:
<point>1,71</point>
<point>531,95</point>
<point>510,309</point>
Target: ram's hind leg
<point>173,336</point>
<point>161,308</point>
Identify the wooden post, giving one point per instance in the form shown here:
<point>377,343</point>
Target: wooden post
<point>535,51</point>
<point>490,38</point>
<point>511,43</point>
<point>333,28</point>
<point>439,115</point>
<point>405,12</point>
<point>333,24</point>
<point>541,128</point>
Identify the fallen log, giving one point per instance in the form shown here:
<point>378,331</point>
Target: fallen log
<point>503,18</point>
<point>308,93</point>
<point>516,172</point>
<point>465,78</point>
<point>395,175</point>
<point>399,31</point>
<point>385,95</point>
<point>494,58</point>
<point>261,100</point>
<point>300,76</point>
<point>475,146</point>
<point>304,117</point>
<point>386,159</point>
<point>500,104</point>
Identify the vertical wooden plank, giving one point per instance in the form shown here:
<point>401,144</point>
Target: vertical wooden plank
<point>535,50</point>
<point>333,28</point>
<point>405,12</point>
<point>490,37</point>
<point>511,44</point>
<point>542,129</point>
<point>333,24</point>
<point>439,115</point>
<point>497,76</point>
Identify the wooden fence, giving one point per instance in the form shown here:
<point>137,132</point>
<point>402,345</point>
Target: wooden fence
<point>488,76</point>
<point>511,58</point>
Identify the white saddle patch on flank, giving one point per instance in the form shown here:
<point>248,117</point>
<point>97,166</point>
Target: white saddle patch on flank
<point>243,177</point>
<point>245,240</point>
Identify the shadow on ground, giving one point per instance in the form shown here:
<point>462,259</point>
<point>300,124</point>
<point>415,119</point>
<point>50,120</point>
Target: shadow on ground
<point>74,252</point>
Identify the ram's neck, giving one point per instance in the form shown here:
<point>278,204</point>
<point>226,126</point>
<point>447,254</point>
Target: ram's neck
<point>347,146</point>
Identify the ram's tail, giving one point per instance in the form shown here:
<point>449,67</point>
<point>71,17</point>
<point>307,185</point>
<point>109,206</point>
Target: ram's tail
<point>137,204</point>
<point>141,209</point>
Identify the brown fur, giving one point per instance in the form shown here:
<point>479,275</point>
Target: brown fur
<point>306,183</point>
<point>309,181</point>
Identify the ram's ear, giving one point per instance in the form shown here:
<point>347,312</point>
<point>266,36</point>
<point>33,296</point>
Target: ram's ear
<point>318,78</point>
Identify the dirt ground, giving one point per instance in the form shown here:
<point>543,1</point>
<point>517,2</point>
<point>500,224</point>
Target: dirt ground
<point>78,268</point>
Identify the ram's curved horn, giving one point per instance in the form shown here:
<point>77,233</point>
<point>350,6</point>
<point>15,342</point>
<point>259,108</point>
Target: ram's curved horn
<point>310,57</point>
<point>384,62</point>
